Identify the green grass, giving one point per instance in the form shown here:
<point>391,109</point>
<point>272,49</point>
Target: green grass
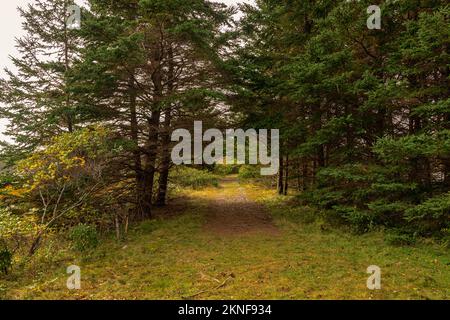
<point>177,257</point>
<point>187,177</point>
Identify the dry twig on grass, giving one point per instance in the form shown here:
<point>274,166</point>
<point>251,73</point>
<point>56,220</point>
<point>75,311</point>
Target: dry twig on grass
<point>223,284</point>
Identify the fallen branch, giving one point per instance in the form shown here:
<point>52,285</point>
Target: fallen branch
<point>223,284</point>
<point>205,276</point>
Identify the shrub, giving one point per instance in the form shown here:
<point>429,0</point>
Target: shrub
<point>3,291</point>
<point>446,237</point>
<point>249,172</point>
<point>84,237</point>
<point>361,221</point>
<point>385,195</point>
<point>193,178</point>
<point>400,238</point>
<point>432,214</point>
<point>225,170</point>
<point>15,233</point>
<point>13,226</point>
<point>5,258</point>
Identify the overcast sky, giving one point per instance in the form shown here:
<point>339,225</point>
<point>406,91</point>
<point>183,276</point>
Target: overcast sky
<point>11,27</point>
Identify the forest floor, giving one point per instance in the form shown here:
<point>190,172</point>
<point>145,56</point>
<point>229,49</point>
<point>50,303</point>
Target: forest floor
<point>238,241</point>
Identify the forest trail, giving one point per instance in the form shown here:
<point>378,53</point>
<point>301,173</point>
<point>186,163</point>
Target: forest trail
<point>238,240</point>
<point>231,212</point>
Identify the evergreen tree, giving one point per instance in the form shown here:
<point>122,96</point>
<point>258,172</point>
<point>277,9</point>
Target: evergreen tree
<point>145,66</point>
<point>36,100</point>
<point>363,113</point>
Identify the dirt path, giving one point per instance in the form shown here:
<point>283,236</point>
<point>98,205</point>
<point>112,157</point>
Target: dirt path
<point>234,255</point>
<point>231,212</point>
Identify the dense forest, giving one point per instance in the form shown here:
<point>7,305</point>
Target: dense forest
<point>363,114</point>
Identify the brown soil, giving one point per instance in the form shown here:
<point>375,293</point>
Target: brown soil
<point>175,207</point>
<point>231,212</point>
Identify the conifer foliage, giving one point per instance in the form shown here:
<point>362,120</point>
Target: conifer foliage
<point>364,114</point>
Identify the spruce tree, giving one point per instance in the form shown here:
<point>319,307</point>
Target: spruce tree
<point>363,113</point>
<point>35,96</point>
<point>143,65</point>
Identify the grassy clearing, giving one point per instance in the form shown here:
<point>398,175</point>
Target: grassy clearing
<point>177,257</point>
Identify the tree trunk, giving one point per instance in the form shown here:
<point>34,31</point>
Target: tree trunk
<point>151,151</point>
<point>165,151</point>
<point>137,154</point>
<point>68,114</point>
<point>305,176</point>
<point>321,157</point>
<point>35,245</point>
<point>299,175</point>
<point>286,179</point>
<point>281,177</point>
<point>165,162</point>
<point>150,164</point>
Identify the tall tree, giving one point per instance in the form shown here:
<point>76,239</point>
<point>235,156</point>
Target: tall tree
<point>158,56</point>
<point>35,96</point>
<point>363,111</point>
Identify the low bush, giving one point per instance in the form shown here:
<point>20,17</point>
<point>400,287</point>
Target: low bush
<point>225,170</point>
<point>366,196</point>
<point>84,237</point>
<point>249,172</point>
<point>187,177</point>
<point>400,238</point>
<point>5,258</point>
